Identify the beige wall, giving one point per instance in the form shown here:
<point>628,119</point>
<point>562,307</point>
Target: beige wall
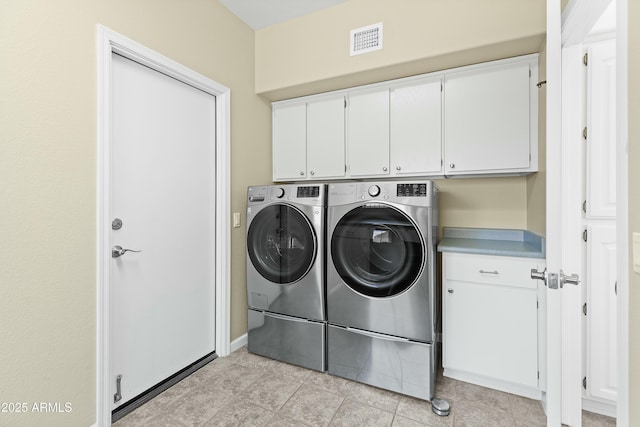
<point>634,208</point>
<point>311,54</point>
<point>48,160</point>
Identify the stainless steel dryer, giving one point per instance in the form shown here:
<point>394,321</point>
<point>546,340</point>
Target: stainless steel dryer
<point>285,273</point>
<point>381,284</point>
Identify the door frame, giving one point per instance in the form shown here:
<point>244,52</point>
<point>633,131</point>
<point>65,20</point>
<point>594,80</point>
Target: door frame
<point>110,42</point>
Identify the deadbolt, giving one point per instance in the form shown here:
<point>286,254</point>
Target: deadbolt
<point>116,224</point>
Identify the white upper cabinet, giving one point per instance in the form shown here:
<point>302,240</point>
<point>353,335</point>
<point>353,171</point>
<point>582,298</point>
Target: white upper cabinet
<point>416,129</point>
<point>290,142</point>
<point>368,133</point>
<point>488,120</point>
<point>308,140</point>
<point>484,122</point>
<point>325,138</point>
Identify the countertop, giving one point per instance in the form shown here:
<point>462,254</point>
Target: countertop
<point>490,241</point>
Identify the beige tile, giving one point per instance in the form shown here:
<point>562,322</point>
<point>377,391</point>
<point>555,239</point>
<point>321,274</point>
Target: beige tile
<point>399,421</point>
<point>252,360</point>
<point>232,380</point>
<point>589,419</point>
<point>469,413</point>
<point>279,420</point>
<point>240,413</point>
<point>212,369</point>
<point>163,420</point>
<point>270,392</point>
<point>373,396</point>
<point>198,406</point>
<point>420,410</point>
<point>466,392</point>
<point>352,413</point>
<point>290,372</point>
<point>446,388</point>
<point>336,385</point>
<point>312,406</point>
<point>527,412</point>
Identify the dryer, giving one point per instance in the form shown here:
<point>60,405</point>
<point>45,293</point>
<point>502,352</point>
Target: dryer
<point>381,284</point>
<point>285,273</point>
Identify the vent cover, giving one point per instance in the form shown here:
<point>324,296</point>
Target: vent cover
<point>366,39</point>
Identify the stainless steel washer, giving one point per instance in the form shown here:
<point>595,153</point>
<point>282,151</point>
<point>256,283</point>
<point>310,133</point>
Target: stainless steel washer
<point>381,284</point>
<point>285,273</point>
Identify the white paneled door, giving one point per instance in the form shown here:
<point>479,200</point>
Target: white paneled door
<point>162,287</point>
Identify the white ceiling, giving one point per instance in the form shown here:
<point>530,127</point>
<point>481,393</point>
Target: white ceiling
<point>263,13</point>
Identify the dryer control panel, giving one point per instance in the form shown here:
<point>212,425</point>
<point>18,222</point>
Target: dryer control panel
<point>411,190</point>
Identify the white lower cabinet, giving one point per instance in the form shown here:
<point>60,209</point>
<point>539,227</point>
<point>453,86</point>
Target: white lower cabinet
<point>490,321</point>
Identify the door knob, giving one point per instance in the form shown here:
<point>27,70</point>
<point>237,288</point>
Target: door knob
<point>118,251</point>
<point>539,275</point>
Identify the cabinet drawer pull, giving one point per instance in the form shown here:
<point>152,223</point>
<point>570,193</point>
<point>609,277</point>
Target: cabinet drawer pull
<point>489,272</point>
<point>450,290</point>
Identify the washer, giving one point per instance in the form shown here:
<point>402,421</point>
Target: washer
<point>285,273</point>
<point>381,284</point>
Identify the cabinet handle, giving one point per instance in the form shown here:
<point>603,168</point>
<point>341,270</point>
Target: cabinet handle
<point>452,165</point>
<point>450,290</point>
<point>301,173</point>
<point>312,173</point>
<point>489,272</point>
<point>398,168</point>
<point>384,168</point>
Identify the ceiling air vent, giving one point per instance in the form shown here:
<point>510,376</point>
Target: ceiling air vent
<point>366,39</point>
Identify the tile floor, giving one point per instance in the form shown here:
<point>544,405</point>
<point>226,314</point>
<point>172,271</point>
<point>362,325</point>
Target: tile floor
<point>244,389</point>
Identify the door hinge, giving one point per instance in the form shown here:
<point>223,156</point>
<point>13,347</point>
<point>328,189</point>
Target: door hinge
<point>585,59</point>
<point>584,133</point>
<point>345,103</point>
<point>538,374</point>
<point>584,206</point>
<point>584,235</point>
<point>584,308</point>
<point>441,87</point>
<point>584,383</point>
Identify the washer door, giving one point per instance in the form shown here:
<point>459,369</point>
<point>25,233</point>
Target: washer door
<point>281,244</point>
<point>377,250</point>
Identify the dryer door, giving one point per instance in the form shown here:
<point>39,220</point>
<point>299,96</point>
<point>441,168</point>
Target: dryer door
<point>281,244</point>
<point>377,250</point>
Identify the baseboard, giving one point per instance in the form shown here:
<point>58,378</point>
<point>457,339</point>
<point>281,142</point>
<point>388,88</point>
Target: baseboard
<point>599,407</point>
<point>507,387</point>
<point>238,343</point>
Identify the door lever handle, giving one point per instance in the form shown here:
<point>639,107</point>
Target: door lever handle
<point>118,251</point>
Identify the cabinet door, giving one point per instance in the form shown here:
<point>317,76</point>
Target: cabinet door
<point>602,311</point>
<point>416,129</point>
<point>325,138</point>
<point>491,331</point>
<point>601,125</point>
<point>368,134</point>
<point>289,142</point>
<point>487,120</point>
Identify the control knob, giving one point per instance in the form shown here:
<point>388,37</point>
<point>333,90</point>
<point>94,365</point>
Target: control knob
<point>280,193</point>
<point>374,191</point>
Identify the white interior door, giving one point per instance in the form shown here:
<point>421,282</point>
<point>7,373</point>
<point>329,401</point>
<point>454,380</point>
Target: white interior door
<point>163,191</point>
<point>553,395</point>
